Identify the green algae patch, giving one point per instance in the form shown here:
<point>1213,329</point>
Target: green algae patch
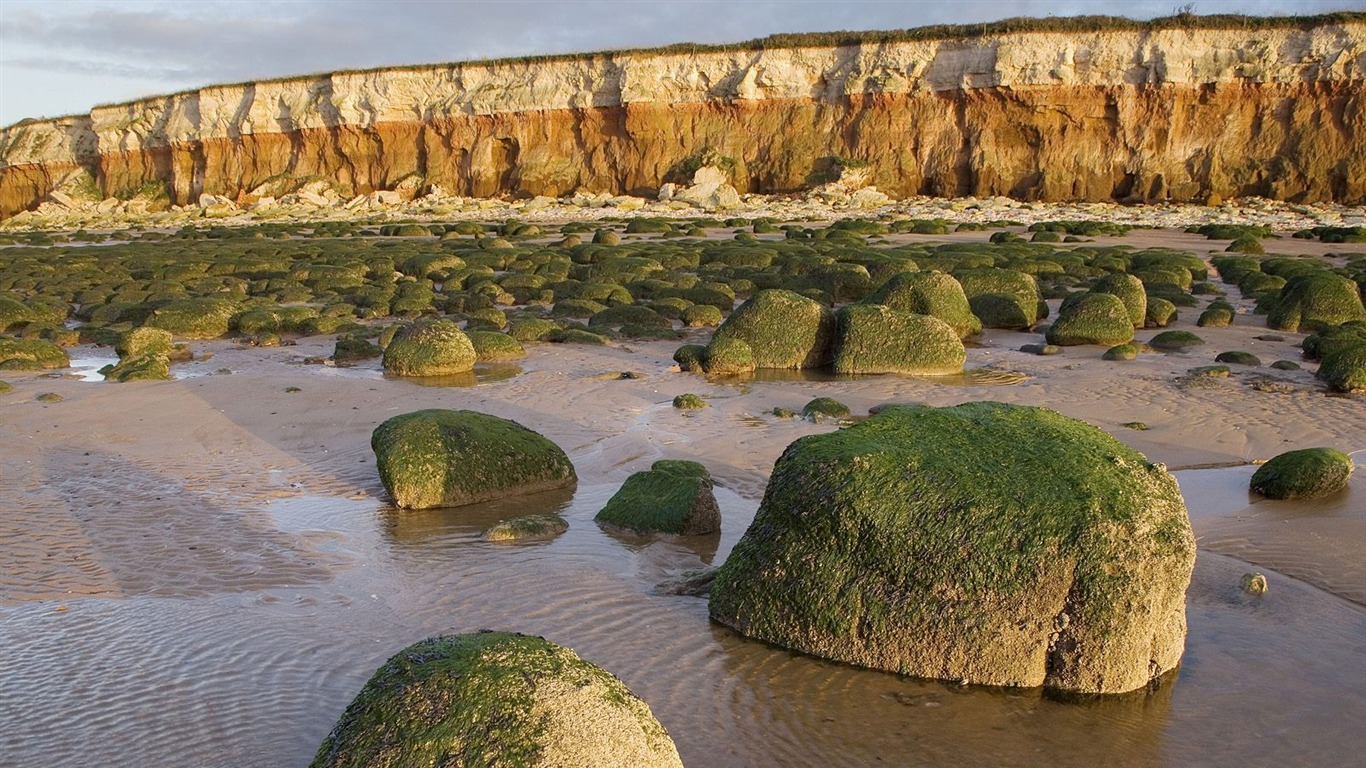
<point>1317,300</point>
<point>783,330</point>
<point>929,293</point>
<point>445,458</point>
<point>873,338</point>
<point>689,402</point>
<point>985,543</point>
<point>527,528</point>
<point>144,341</point>
<point>1092,318</point>
<point>728,355</point>
<point>1121,352</point>
<point>1175,341</point>
<point>1304,474</point>
<point>437,348</point>
<point>822,409</point>
<point>671,497</point>
<point>499,700</point>
<point>202,318</point>
<point>1344,370</point>
<point>144,367</point>
<point>492,346</point>
<point>31,355</point>
<point>1129,289</point>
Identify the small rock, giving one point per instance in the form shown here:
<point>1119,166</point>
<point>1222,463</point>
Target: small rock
<point>1254,583</point>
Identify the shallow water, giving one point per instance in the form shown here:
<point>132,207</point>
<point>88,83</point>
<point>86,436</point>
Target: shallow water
<point>255,675</point>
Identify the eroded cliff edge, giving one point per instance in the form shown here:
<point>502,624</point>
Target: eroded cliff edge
<point>1143,114</point>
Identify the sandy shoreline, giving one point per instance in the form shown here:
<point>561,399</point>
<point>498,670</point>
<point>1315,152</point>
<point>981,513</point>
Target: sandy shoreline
<point>240,489</point>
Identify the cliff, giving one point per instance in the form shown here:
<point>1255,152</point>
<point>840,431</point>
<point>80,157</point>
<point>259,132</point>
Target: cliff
<point>1141,112</point>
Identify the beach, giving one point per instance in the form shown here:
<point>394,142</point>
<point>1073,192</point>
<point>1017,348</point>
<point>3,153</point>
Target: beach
<point>205,570</point>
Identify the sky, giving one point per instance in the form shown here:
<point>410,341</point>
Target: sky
<point>61,57</point>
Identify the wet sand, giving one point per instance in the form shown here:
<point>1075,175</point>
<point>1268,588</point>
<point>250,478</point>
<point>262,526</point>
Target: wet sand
<point>204,571</point>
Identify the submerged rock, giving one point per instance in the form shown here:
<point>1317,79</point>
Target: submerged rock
<point>495,699</point>
<point>1304,474</point>
<point>527,528</point>
<point>986,543</point>
<point>443,458</point>
<point>671,497</point>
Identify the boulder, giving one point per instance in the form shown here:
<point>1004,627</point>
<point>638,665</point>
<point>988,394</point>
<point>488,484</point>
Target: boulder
<point>1315,301</point>
<point>710,190</point>
<point>436,348</point>
<point>985,543</point>
<point>872,338</point>
<point>1345,369</point>
<point>783,330</point>
<point>929,293</point>
<point>444,458</point>
<point>1129,289</point>
<point>1003,298</point>
<point>670,497</point>
<point>495,699</point>
<point>31,355</point>
<point>1091,318</point>
<point>1304,474</point>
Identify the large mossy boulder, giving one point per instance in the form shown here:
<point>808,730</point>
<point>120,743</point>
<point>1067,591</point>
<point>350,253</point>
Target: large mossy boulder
<point>670,497</point>
<point>1344,370</point>
<point>985,543</point>
<point>1314,301</point>
<point>31,355</point>
<point>499,700</point>
<point>1304,474</point>
<point>873,338</point>
<point>1129,289</point>
<point>783,330</point>
<point>443,458</point>
<point>929,293</point>
<point>437,348</point>
<point>1092,318</point>
<point>144,341</point>
<point>1003,298</point>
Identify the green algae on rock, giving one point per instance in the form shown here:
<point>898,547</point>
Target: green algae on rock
<point>671,497</point>
<point>31,355</point>
<point>499,700</point>
<point>437,348</point>
<point>1129,289</point>
<point>1345,369</point>
<point>1091,318</point>
<point>491,346</point>
<point>783,330</point>
<point>1304,474</point>
<point>527,528</point>
<point>873,338</point>
<point>985,543</point>
<point>444,458</point>
<point>1314,301</point>
<point>929,293</point>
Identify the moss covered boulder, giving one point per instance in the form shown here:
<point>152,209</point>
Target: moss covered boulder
<point>1092,318</point>
<point>437,348</point>
<point>1344,370</point>
<point>985,543</point>
<point>670,497</point>
<point>202,318</point>
<point>490,346</point>
<point>144,341</point>
<point>145,367</point>
<point>1306,474</point>
<point>499,700</point>
<point>443,458</point>
<point>873,338</point>
<point>929,293</point>
<point>1129,289</point>
<point>1314,301</point>
<point>783,330</point>
<point>1003,298</point>
<point>31,355</point>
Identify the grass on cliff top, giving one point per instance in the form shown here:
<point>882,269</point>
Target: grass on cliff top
<point>1014,25</point>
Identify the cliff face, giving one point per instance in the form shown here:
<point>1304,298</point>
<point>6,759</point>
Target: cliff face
<point>1129,114</point>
